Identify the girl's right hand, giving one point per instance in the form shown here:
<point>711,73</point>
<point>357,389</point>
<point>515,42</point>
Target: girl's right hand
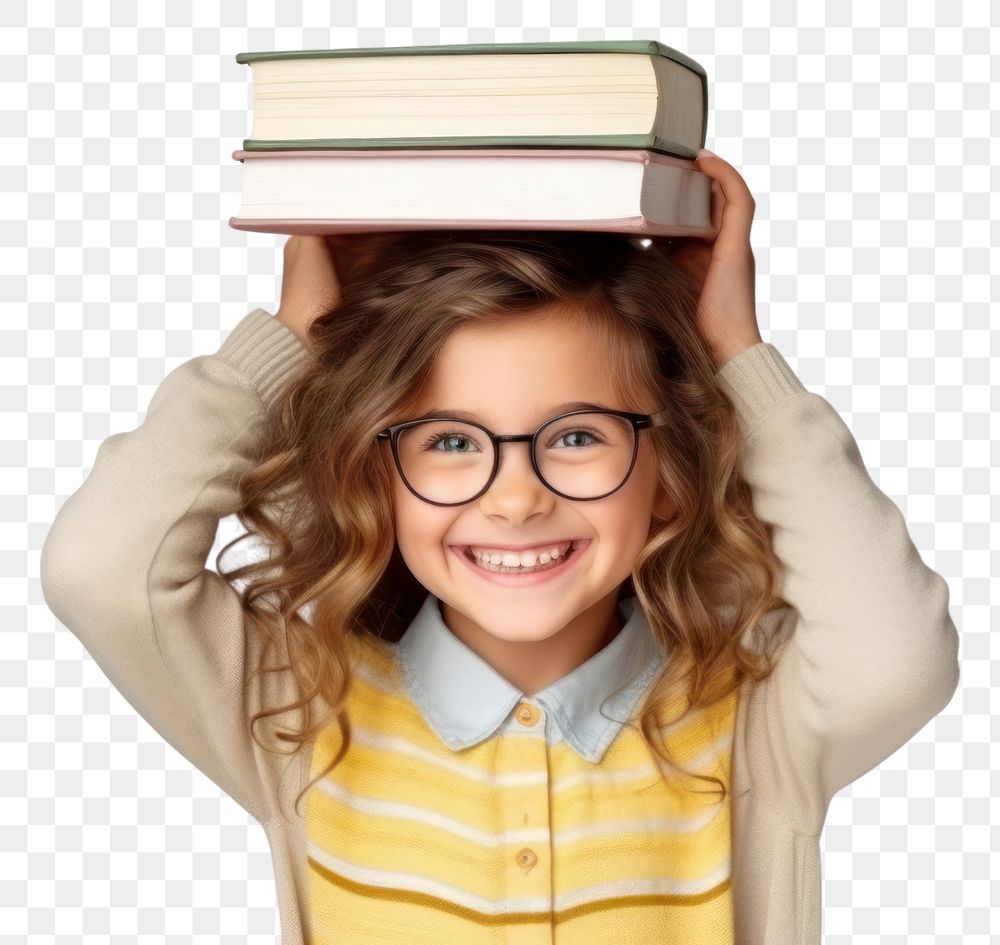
<point>310,284</point>
<point>724,268</point>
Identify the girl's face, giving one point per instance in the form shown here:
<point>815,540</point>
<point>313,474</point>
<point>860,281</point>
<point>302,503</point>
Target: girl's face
<point>511,378</point>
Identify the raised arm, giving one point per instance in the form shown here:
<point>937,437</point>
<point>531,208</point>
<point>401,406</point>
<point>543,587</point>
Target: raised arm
<point>873,656</point>
<point>123,565</point>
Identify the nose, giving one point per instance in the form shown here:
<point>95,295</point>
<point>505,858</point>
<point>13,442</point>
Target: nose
<point>515,484</point>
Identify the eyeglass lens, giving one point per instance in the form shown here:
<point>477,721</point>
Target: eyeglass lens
<point>583,456</point>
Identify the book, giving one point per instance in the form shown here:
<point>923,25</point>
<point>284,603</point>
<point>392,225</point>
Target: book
<point>634,191</point>
<point>627,94</point>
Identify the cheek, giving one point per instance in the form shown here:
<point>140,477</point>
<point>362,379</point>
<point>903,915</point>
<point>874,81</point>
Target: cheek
<point>639,492</point>
<point>647,484</point>
<point>628,522</point>
<point>624,524</point>
<point>631,532</point>
<point>418,528</point>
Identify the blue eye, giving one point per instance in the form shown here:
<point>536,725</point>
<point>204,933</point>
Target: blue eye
<point>436,438</point>
<point>440,436</point>
<point>575,432</point>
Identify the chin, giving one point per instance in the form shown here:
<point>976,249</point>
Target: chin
<point>532,620</point>
<point>518,635</point>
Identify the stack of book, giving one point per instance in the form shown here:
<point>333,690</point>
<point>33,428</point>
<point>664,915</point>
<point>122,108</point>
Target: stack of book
<point>598,135</point>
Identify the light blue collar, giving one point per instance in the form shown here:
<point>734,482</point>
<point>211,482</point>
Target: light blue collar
<point>465,700</point>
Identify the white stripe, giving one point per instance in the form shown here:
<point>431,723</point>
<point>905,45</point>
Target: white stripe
<point>710,756</point>
<point>661,886</point>
<point>420,815</point>
<point>389,879</point>
<point>383,682</point>
<point>401,746</point>
<point>590,775</point>
<point>595,776</point>
<point>659,825</point>
<point>413,882</point>
<point>714,753</point>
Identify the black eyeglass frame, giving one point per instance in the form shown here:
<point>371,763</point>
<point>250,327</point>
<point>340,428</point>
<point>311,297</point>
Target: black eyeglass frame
<point>639,421</point>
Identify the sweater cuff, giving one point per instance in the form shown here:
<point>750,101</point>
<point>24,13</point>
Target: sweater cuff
<point>757,380</point>
<point>264,351</point>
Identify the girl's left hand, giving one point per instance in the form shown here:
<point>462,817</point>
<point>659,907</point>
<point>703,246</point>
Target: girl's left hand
<point>727,311</point>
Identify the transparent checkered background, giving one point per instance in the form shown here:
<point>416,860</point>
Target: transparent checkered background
<point>862,131</point>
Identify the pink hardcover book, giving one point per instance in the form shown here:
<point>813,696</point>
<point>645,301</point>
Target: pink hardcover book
<point>322,191</point>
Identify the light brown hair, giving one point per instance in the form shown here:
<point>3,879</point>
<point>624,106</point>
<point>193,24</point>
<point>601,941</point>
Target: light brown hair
<point>318,494</point>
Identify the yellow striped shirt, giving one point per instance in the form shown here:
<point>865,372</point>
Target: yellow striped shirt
<point>467,812</point>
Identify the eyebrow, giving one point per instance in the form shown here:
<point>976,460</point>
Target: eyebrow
<point>474,418</point>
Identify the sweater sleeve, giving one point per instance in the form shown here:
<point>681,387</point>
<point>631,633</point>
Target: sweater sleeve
<point>870,654</point>
<point>123,564</point>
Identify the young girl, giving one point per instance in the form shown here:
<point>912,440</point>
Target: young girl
<point>578,606</point>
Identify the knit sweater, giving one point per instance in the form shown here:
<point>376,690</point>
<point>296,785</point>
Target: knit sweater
<point>868,649</point>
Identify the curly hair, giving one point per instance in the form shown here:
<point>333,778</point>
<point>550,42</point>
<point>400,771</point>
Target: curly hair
<point>318,494</point>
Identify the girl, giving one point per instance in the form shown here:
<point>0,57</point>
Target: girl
<point>578,606</point>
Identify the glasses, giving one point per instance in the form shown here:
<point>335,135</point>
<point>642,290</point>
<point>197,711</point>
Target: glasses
<point>582,455</point>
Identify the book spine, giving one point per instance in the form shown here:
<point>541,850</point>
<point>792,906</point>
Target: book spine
<point>640,155</point>
<point>648,142</point>
<point>644,47</point>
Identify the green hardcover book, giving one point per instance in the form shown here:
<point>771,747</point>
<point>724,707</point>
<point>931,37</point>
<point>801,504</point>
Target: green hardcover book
<point>624,94</point>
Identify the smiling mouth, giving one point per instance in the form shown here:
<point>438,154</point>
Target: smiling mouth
<point>503,569</point>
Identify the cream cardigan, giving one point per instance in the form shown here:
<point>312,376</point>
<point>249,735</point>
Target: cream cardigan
<point>868,648</point>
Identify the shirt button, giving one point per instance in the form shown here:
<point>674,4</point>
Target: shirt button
<point>527,857</point>
<point>527,714</point>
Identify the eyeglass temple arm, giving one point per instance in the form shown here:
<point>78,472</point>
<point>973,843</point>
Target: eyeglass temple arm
<point>658,419</point>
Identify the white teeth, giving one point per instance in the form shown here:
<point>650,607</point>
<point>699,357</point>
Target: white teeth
<point>522,559</point>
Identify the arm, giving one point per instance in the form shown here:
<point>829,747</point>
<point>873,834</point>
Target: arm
<point>873,655</point>
<point>123,563</point>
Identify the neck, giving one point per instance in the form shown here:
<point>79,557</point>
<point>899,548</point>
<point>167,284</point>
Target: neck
<point>532,665</point>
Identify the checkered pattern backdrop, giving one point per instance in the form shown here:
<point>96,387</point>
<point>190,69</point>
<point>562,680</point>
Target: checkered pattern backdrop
<point>862,132</point>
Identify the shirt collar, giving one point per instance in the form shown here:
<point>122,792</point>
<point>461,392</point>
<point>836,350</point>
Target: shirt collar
<point>466,701</point>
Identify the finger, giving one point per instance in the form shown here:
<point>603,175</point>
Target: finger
<point>737,204</point>
<point>718,199</point>
<point>350,245</point>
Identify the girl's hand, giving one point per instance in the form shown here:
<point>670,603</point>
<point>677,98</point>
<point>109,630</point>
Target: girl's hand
<point>310,284</point>
<point>724,268</point>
